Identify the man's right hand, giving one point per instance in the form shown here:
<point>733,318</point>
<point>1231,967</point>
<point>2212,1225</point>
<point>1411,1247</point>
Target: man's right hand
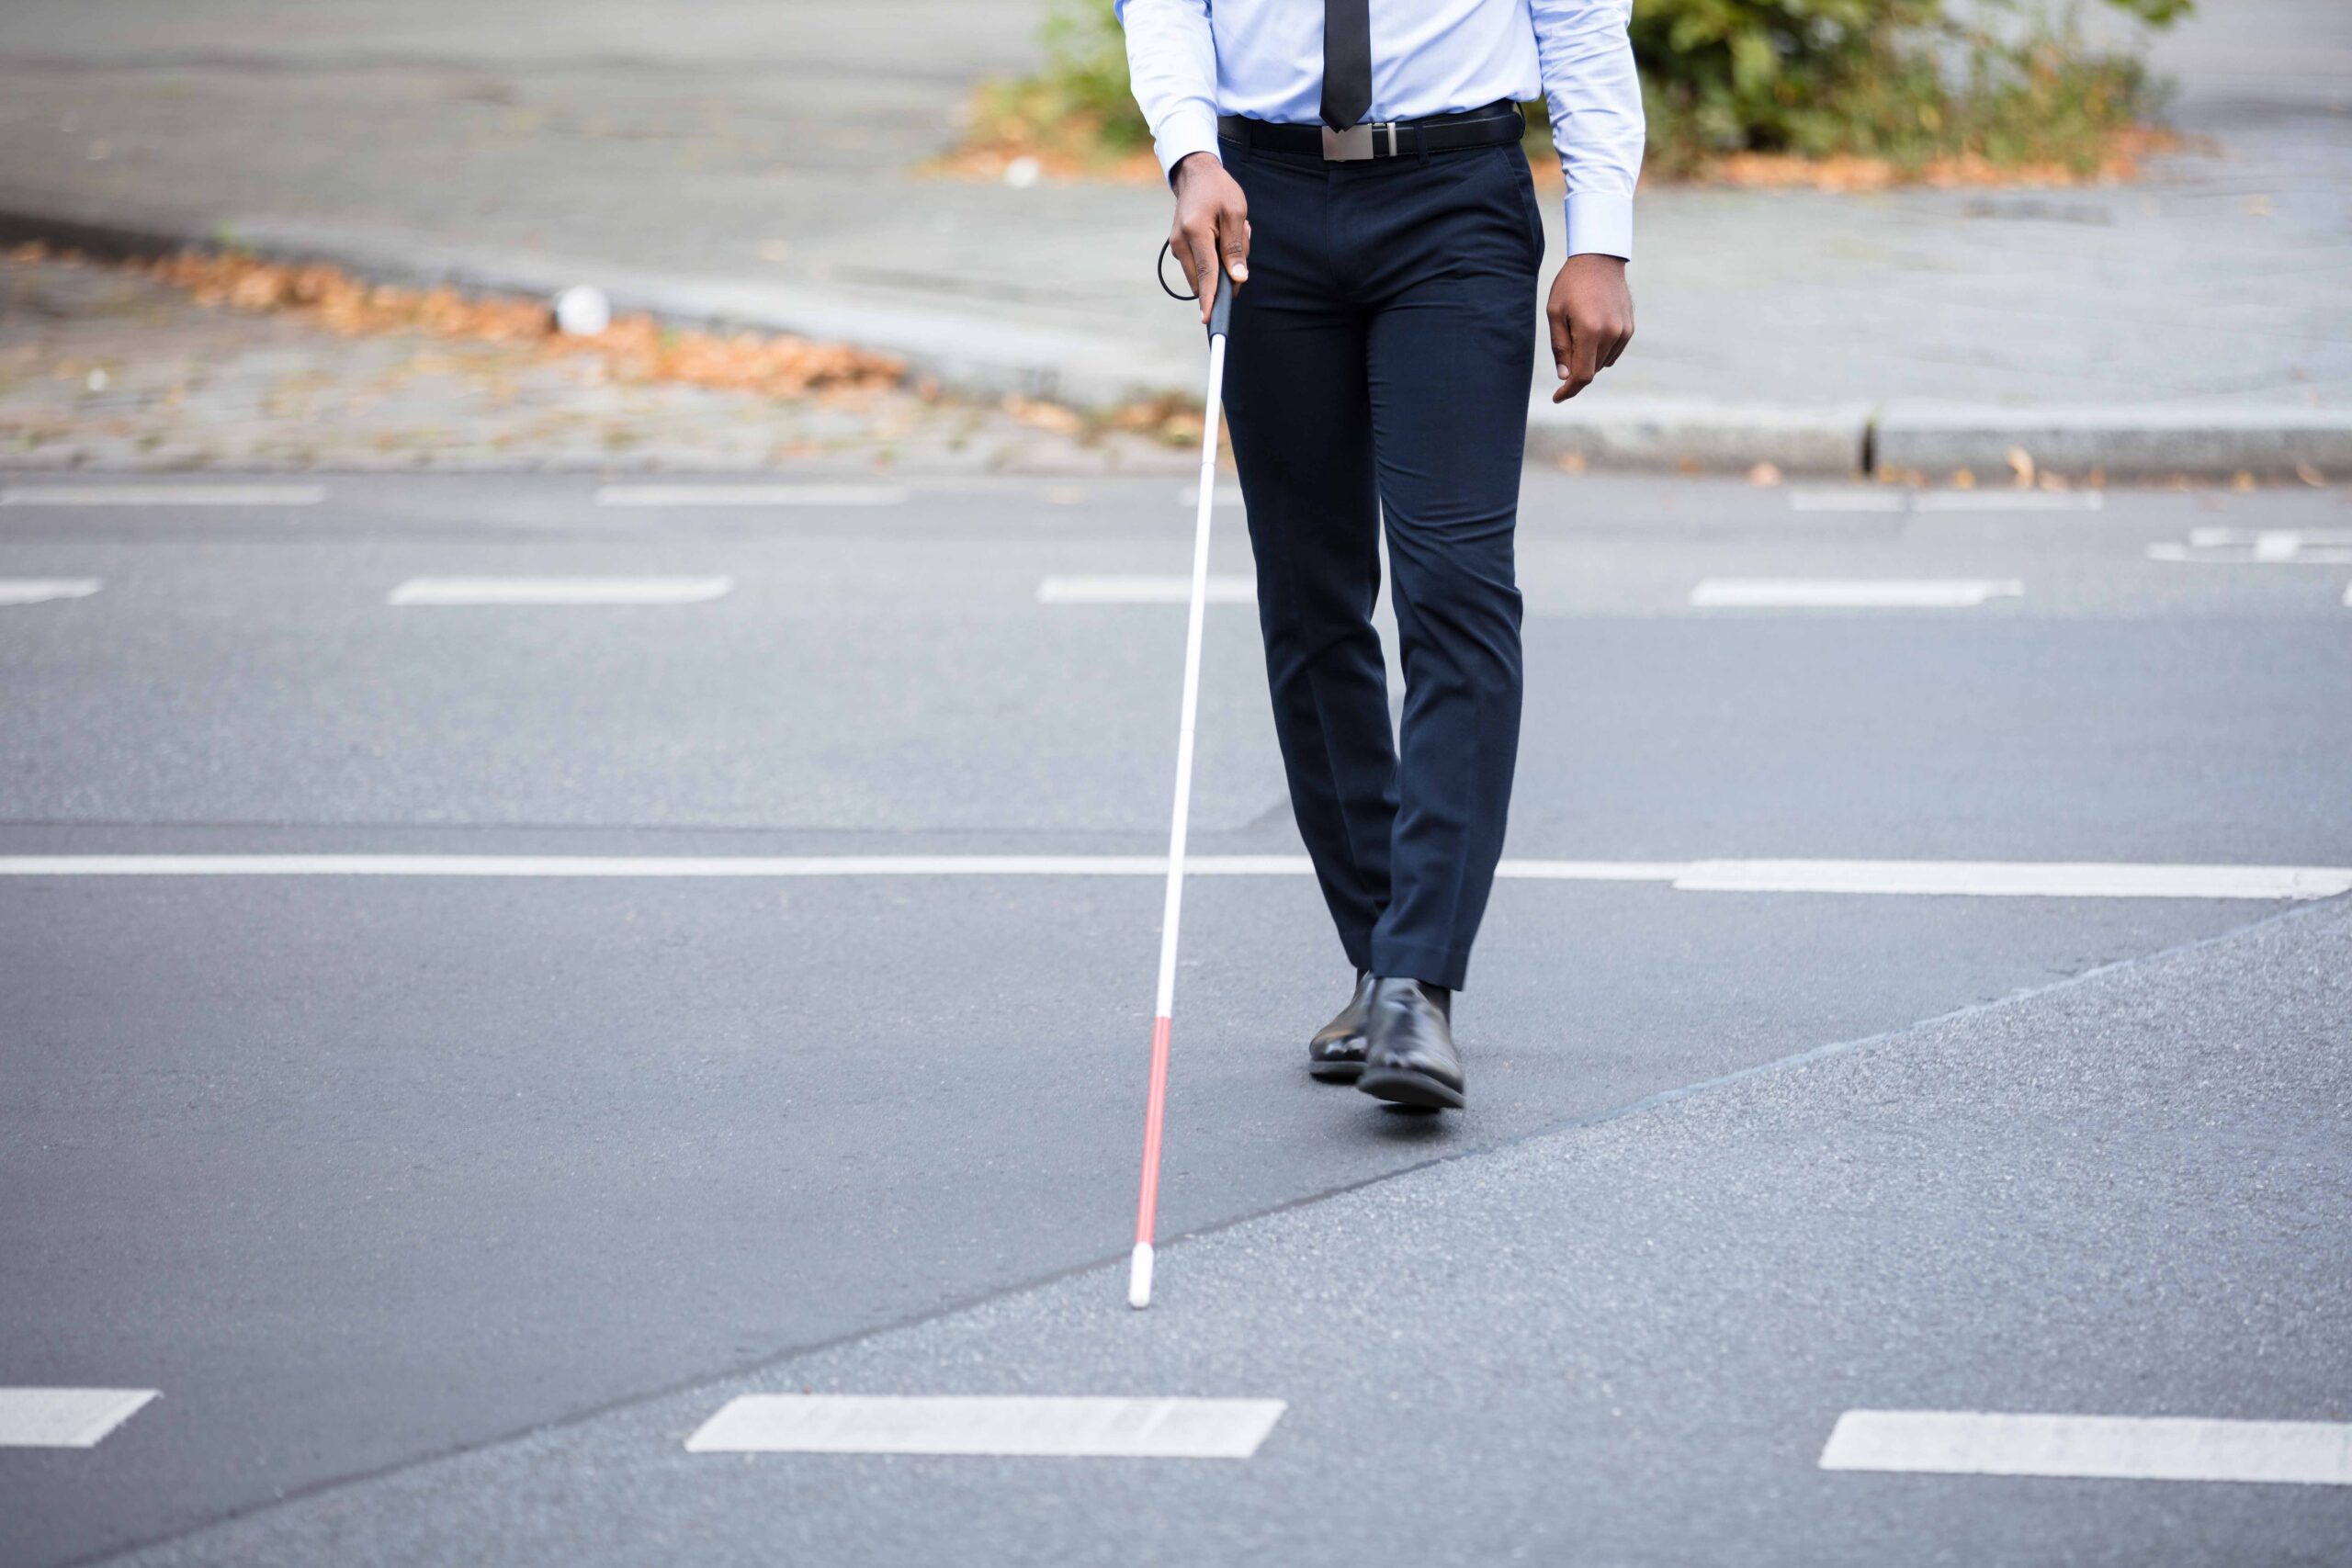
<point>1212,222</point>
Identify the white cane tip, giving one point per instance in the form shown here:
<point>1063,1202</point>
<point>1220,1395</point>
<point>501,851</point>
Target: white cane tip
<point>1139,1276</point>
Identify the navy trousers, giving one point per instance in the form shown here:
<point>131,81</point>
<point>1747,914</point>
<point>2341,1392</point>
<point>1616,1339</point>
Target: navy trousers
<point>1378,368</point>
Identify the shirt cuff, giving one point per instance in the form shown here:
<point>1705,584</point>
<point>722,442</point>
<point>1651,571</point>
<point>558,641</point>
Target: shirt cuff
<point>1601,222</point>
<point>1190,127</point>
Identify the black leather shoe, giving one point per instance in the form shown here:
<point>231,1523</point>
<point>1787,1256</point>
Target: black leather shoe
<point>1410,1057</point>
<point>1336,1053</point>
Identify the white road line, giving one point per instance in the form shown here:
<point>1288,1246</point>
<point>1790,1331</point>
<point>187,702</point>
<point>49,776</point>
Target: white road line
<point>1885,499</point>
<point>2347,595</point>
<point>1850,593</point>
<point>2115,1448</point>
<point>750,495</point>
<point>2008,501</point>
<point>1984,879</point>
<point>560,589</point>
<point>685,866</point>
<point>163,495</point>
<point>40,590</point>
<point>1591,870</point>
<point>1225,496</point>
<point>1005,1426</point>
<point>2258,546</point>
<point>1851,500</point>
<point>65,1418</point>
<point>1143,590</point>
<point>2015,879</point>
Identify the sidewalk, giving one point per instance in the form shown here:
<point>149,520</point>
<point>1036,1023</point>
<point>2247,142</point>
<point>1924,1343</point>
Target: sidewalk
<point>750,164</point>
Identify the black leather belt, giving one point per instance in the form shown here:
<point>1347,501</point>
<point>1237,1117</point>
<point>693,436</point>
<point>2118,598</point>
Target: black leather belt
<point>1499,122</point>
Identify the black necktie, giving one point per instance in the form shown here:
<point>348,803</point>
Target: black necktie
<point>1347,61</point>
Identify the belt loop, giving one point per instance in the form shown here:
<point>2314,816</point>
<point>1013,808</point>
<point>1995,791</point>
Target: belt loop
<point>1421,137</point>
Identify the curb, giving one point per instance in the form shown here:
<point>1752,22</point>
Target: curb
<point>964,353</point>
<point>1633,431</point>
<point>2132,441</point>
<point>989,357</point>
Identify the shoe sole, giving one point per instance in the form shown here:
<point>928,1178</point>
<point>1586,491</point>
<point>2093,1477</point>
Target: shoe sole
<point>1399,1086</point>
<point>1335,1072</point>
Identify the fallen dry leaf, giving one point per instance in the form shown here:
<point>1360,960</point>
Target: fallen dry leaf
<point>634,348</point>
<point>1041,415</point>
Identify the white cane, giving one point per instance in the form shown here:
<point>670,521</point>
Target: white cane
<point>1156,1104</point>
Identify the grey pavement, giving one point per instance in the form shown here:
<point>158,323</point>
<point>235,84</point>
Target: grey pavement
<point>753,162</point>
<point>1622,1342</point>
<point>441,1209</point>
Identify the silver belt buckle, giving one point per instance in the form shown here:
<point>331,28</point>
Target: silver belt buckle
<point>1354,144</point>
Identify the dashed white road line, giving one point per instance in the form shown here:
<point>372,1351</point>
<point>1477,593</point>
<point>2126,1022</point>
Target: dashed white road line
<point>2113,1448</point>
<point>65,1418</point>
<point>750,495</point>
<point>2008,501</point>
<point>40,590</point>
<point>1224,495</point>
<point>470,591</point>
<point>1982,879</point>
<point>1143,590</point>
<point>1850,592</point>
<point>1850,500</point>
<point>163,495</point>
<point>2258,546</point>
<point>2347,595</point>
<point>1885,499</point>
<point>1008,1426</point>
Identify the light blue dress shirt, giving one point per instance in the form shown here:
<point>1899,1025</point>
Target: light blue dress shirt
<point>1191,60</point>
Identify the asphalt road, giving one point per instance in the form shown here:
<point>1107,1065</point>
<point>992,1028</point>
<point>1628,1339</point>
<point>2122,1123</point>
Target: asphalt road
<point>440,1209</point>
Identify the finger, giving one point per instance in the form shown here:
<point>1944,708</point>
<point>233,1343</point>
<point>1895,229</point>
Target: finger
<point>1200,243</point>
<point>1617,345</point>
<point>1236,231</point>
<point>1559,342</point>
<point>1584,358</point>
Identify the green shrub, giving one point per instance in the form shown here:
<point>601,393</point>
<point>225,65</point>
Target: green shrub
<point>1894,79</point>
<point>1080,103</point>
<point>1902,80</point>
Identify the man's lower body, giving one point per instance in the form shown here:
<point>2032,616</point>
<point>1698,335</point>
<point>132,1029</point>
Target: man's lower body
<point>1378,372</point>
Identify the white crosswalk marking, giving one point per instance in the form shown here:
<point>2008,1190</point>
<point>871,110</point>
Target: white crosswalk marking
<point>472,590</point>
<point>41,590</point>
<point>65,1418</point>
<point>1143,590</point>
<point>167,495</point>
<point>1005,1425</point>
<point>750,495</point>
<point>1850,593</point>
<point>2113,1448</point>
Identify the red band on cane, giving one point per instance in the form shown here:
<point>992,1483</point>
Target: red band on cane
<point>1155,1110</point>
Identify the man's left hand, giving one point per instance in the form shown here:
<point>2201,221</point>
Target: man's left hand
<point>1592,319</point>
